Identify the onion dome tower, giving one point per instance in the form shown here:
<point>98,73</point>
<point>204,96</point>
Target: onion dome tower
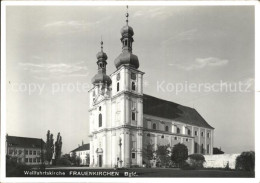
<point>127,57</point>
<point>101,77</point>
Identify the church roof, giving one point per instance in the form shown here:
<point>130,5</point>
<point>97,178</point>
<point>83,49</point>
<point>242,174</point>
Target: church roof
<point>84,147</point>
<point>170,110</point>
<point>25,142</point>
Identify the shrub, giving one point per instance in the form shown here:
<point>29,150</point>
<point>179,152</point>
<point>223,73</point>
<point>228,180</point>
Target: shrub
<point>246,161</point>
<point>179,154</point>
<point>196,160</point>
<point>63,161</point>
<point>187,166</point>
<point>14,169</point>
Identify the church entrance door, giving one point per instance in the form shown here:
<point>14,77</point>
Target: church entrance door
<point>100,160</point>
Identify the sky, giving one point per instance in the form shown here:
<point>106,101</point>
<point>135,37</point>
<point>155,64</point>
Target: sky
<point>51,58</point>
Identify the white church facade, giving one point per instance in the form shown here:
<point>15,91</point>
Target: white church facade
<point>123,120</point>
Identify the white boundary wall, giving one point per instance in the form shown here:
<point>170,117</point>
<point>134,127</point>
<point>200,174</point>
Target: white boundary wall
<point>220,160</point>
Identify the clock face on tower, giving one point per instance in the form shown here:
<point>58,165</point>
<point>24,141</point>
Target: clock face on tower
<point>133,76</point>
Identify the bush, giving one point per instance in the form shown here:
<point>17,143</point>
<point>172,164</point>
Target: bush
<point>187,166</point>
<point>63,161</point>
<point>14,169</point>
<point>196,160</point>
<point>179,154</point>
<point>246,161</point>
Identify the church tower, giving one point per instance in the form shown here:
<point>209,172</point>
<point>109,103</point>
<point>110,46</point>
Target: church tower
<point>100,113</point>
<point>127,100</point>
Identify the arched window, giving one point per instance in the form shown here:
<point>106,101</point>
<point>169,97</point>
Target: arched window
<point>125,42</point>
<point>196,147</point>
<point>133,85</point>
<point>154,126</point>
<point>133,116</point>
<point>100,120</point>
<point>166,128</point>
<point>118,86</point>
<point>178,130</point>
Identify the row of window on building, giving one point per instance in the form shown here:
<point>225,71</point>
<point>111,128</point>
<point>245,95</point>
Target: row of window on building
<point>32,160</point>
<point>178,130</point>
<point>26,152</point>
<point>133,82</point>
<point>202,149</point>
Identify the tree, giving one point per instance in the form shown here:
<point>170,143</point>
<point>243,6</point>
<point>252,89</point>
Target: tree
<point>148,153</point>
<point>49,147</point>
<point>73,158</point>
<point>179,154</point>
<point>58,146</point>
<point>87,159</point>
<point>196,160</point>
<point>163,155</point>
<point>246,161</point>
<point>64,160</point>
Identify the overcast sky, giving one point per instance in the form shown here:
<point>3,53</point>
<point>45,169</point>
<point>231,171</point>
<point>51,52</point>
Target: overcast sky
<point>53,48</point>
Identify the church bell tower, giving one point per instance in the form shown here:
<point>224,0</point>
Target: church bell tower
<point>127,100</point>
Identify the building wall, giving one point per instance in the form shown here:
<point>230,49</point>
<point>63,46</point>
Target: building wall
<point>29,156</point>
<point>179,132</point>
<point>220,160</point>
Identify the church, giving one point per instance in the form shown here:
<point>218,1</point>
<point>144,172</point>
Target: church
<point>123,120</point>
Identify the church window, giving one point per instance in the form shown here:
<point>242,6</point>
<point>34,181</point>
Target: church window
<point>188,131</point>
<point>100,120</point>
<point>208,149</point>
<point>133,116</point>
<point>99,108</point>
<point>195,147</point>
<point>202,149</point>
<point>154,126</point>
<point>166,128</point>
<point>133,86</point>
<point>133,155</point>
<point>162,136</point>
<point>117,87</point>
<point>178,130</point>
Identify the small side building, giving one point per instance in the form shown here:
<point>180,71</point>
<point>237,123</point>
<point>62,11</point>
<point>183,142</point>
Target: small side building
<point>82,152</point>
<point>25,149</point>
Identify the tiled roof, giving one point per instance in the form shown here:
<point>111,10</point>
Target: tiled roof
<point>165,109</point>
<point>25,142</point>
<point>84,147</point>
